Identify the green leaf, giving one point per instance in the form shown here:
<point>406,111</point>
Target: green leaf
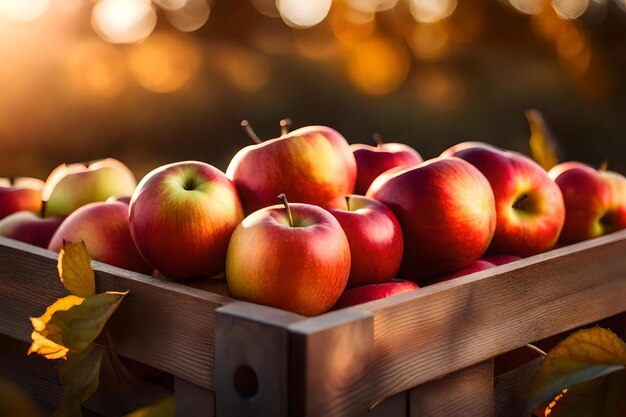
<point>164,408</point>
<point>583,356</point>
<point>542,143</point>
<point>14,402</point>
<point>75,269</point>
<point>72,323</point>
<point>80,376</point>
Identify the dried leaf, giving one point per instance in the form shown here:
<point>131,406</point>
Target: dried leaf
<point>584,356</point>
<point>80,376</point>
<point>114,374</point>
<point>542,144</point>
<point>164,408</point>
<point>72,323</point>
<point>75,269</point>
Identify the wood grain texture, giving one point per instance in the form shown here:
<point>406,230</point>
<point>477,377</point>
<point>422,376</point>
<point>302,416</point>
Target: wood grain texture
<point>193,400</point>
<point>423,335</point>
<point>395,406</point>
<point>510,392</point>
<point>162,324</point>
<point>328,355</point>
<point>465,393</point>
<point>252,360</point>
<point>40,381</point>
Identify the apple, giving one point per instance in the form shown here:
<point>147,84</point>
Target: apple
<point>498,260</point>
<point>371,161</point>
<point>69,187</point>
<point>104,229</point>
<point>312,165</point>
<point>375,239</point>
<point>595,201</point>
<point>295,257</point>
<point>359,295</point>
<point>529,205</point>
<point>478,265</point>
<point>29,227</point>
<point>182,216</point>
<point>18,194</point>
<point>451,151</point>
<point>447,212</point>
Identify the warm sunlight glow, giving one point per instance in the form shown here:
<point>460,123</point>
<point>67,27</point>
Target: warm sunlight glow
<point>428,42</point>
<point>95,68</point>
<point>570,9</point>
<point>164,63</point>
<point>23,10</point>
<point>439,89</point>
<point>170,4</point>
<point>378,66</point>
<point>246,70</point>
<point>191,17</point>
<point>266,7</point>
<point>303,13</point>
<point>526,6</point>
<point>348,32</point>
<point>429,11</point>
<point>372,6</point>
<point>123,21</point>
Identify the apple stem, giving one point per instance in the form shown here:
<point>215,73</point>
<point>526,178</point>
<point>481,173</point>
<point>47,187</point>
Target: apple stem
<point>248,129</point>
<point>348,202</point>
<point>378,139</point>
<point>283,199</point>
<point>44,206</point>
<point>604,165</point>
<point>285,125</point>
<point>11,181</point>
<point>517,204</point>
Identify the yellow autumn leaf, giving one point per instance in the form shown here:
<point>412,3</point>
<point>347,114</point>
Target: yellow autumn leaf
<point>72,323</point>
<point>542,143</point>
<point>583,356</point>
<point>75,269</point>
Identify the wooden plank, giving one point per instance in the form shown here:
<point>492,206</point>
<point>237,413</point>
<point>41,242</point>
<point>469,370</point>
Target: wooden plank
<point>468,392</point>
<point>252,360</point>
<point>395,406</point>
<point>40,381</point>
<point>328,355</point>
<point>423,335</point>
<point>163,324</point>
<point>193,400</point>
<point>510,395</point>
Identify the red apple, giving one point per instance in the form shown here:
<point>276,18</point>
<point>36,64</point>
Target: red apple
<point>181,219</point>
<point>595,201</point>
<point>478,265</point>
<point>375,239</point>
<point>311,165</point>
<point>447,212</point>
<point>29,227</point>
<point>371,161</point>
<point>373,292</point>
<point>464,145</point>
<point>296,258</point>
<point>498,260</point>
<point>69,187</point>
<point>104,229</point>
<point>19,194</point>
<point>529,204</point>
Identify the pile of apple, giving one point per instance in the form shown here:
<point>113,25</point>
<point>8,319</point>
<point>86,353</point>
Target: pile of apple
<point>362,222</point>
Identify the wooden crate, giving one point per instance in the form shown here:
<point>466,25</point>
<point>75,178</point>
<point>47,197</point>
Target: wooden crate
<point>425,353</point>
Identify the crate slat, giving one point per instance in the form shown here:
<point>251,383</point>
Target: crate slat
<point>162,324</point>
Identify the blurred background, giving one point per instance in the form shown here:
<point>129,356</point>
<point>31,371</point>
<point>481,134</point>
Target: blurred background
<point>151,82</point>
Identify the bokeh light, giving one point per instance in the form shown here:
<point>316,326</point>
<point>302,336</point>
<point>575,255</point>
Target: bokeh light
<point>439,89</point>
<point>428,42</point>
<point>246,70</point>
<point>372,6</point>
<point>96,68</point>
<point>23,10</point>
<point>315,44</point>
<point>123,21</point>
<point>192,16</point>
<point>570,9</point>
<point>429,11</point>
<point>349,30</point>
<point>170,4</point>
<point>303,13</point>
<point>527,6</point>
<point>266,7</point>
<point>164,63</point>
<point>378,66</point>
